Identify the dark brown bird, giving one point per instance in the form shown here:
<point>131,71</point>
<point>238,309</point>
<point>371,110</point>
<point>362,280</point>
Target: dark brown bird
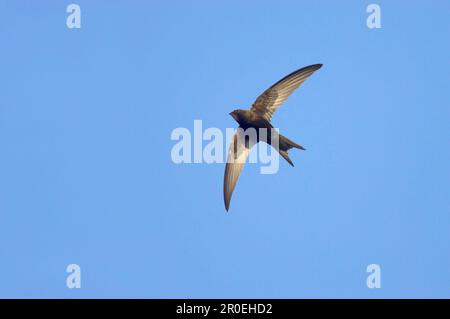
<point>260,116</point>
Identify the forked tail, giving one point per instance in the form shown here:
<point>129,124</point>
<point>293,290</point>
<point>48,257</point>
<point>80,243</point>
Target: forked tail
<point>285,145</point>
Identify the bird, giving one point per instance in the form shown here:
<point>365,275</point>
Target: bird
<point>259,116</point>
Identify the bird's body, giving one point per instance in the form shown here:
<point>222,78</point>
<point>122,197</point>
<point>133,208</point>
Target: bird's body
<point>249,119</point>
<point>259,117</point>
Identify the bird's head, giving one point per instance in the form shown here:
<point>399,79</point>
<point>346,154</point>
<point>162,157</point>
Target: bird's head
<point>236,114</point>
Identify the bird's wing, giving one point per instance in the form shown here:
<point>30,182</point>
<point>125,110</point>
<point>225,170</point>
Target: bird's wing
<point>271,99</point>
<point>238,152</point>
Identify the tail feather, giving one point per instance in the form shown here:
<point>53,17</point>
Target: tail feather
<point>289,144</point>
<point>286,157</point>
<point>285,145</point>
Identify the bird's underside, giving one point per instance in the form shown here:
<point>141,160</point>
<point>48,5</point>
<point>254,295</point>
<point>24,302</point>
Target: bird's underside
<point>260,116</point>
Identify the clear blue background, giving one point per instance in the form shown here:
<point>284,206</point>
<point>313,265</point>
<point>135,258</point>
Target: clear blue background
<point>86,175</point>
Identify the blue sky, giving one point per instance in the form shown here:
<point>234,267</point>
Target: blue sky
<point>86,175</point>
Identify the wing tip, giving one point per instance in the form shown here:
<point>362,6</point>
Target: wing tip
<point>317,66</point>
<point>227,206</point>
<point>226,198</point>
